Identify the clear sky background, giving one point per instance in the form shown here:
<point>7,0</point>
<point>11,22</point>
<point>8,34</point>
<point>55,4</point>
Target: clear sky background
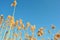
<point>38,12</point>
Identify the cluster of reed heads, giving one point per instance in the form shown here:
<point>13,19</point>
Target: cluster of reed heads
<point>11,24</point>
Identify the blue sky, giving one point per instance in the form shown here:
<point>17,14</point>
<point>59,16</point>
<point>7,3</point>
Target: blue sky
<point>38,12</point>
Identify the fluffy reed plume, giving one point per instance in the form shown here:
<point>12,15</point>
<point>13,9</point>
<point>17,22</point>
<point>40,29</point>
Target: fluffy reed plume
<point>28,24</point>
<point>40,32</point>
<point>16,23</point>
<point>53,26</point>
<point>14,3</point>
<point>33,29</point>
<point>21,21</point>
<point>19,27</point>
<point>57,36</point>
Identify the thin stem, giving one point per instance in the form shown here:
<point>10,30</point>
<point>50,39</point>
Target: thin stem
<point>8,33</point>
<point>14,11</point>
<point>32,34</point>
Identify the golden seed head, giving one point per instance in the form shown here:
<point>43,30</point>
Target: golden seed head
<point>12,18</point>
<point>22,26</point>
<point>14,3</point>
<point>57,35</point>
<point>32,28</point>
<point>9,17</point>
<point>28,24</point>
<point>19,28</point>
<point>40,32</point>
<point>16,22</point>
<point>53,26</point>
<point>20,21</point>
<point>12,23</point>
